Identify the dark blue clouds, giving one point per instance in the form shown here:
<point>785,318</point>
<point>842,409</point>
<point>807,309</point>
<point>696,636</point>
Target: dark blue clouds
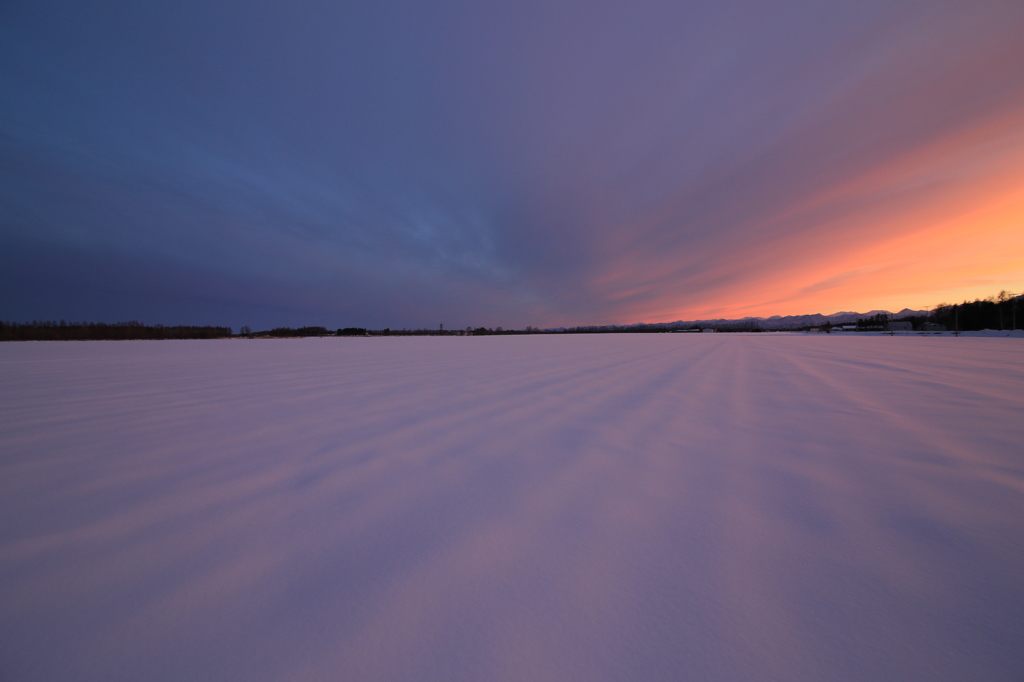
<point>401,164</point>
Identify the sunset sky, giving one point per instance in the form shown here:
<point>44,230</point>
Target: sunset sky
<point>406,164</point>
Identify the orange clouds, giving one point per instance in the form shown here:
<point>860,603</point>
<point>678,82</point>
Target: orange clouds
<point>944,222</point>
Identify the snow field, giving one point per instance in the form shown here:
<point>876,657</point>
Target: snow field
<point>608,507</point>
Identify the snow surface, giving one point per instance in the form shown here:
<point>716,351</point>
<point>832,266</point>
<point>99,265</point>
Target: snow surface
<point>617,507</point>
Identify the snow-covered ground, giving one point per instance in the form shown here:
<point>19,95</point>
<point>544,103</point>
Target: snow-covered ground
<point>620,507</point>
<point>985,333</point>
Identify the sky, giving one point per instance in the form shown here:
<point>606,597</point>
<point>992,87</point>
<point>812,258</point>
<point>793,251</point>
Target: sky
<point>409,164</point>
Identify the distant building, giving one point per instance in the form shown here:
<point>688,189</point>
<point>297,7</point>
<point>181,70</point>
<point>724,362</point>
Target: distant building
<point>901,326</point>
<point>933,327</point>
<point>707,329</point>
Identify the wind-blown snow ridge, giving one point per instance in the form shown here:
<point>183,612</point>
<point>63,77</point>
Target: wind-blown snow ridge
<point>606,507</point>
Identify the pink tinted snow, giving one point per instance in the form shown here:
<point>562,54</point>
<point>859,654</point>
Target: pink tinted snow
<point>618,507</point>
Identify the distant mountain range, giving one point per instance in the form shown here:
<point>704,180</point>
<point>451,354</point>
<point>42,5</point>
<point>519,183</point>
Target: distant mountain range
<point>773,322</point>
<point>790,321</point>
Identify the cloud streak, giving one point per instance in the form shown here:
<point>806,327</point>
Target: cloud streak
<point>487,164</point>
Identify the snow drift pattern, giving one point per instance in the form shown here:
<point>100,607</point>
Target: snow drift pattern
<point>656,507</point>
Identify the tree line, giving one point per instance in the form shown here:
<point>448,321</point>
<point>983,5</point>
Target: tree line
<point>1002,312</point>
<point>101,331</point>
